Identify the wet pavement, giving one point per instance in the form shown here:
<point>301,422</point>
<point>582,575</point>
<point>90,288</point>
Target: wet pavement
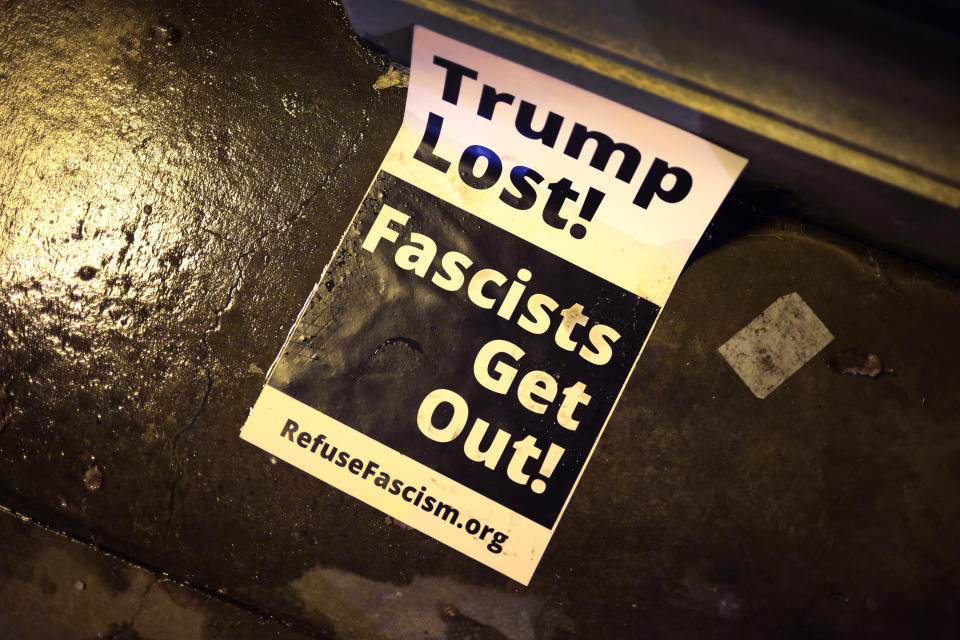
<point>53,587</point>
<point>173,179</point>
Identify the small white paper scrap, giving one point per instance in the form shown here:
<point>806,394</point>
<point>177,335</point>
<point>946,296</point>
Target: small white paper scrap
<point>776,344</point>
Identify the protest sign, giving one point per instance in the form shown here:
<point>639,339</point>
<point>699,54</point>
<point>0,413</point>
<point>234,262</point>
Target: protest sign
<point>469,339</point>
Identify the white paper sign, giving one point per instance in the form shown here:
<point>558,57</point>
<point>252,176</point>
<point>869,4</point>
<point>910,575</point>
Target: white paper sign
<point>459,360</point>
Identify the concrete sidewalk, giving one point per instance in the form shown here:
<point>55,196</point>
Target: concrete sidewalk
<point>173,181</point>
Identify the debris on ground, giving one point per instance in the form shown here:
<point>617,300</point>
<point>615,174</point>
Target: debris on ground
<point>390,520</point>
<point>394,77</point>
<point>854,362</point>
<point>167,34</point>
<point>93,478</point>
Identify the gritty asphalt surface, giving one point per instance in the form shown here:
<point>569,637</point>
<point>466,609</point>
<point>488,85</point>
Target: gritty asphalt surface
<point>173,178</point>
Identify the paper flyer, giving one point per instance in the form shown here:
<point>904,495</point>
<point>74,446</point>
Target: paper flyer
<point>457,363</point>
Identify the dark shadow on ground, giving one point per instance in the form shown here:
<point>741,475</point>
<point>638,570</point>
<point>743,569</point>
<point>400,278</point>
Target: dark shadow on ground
<point>750,204</point>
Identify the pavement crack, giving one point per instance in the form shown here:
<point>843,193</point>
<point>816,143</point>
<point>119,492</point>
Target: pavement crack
<point>205,352</point>
<point>217,322</point>
<point>321,185</point>
<point>215,234</point>
<point>113,572</point>
<point>239,264</point>
<point>177,462</point>
<point>129,624</point>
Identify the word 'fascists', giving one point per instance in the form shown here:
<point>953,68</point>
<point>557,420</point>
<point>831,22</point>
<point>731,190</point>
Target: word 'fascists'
<point>487,288</point>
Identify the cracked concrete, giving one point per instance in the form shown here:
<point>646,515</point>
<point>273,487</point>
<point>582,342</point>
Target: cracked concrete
<point>177,463</point>
<point>129,625</point>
